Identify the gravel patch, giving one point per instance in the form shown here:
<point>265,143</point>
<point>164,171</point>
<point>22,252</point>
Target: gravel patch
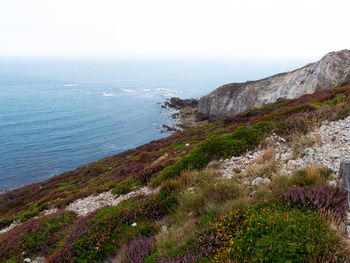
<point>92,203</point>
<point>333,146</point>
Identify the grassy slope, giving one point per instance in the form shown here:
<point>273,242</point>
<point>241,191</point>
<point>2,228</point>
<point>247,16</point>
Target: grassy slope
<point>164,159</point>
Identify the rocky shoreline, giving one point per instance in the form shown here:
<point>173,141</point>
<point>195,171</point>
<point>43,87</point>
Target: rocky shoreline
<point>185,114</point>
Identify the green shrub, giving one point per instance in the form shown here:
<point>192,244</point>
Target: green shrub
<point>25,215</point>
<point>167,194</point>
<point>271,232</point>
<point>215,147</point>
<point>109,185</point>
<point>202,197</point>
<point>38,236</point>
<point>126,186</point>
<point>310,176</point>
<point>199,199</point>
<point>152,258</point>
<point>94,237</point>
<point>38,239</point>
<point>330,102</point>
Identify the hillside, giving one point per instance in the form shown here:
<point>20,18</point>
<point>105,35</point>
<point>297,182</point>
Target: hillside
<point>332,70</point>
<point>257,186</point>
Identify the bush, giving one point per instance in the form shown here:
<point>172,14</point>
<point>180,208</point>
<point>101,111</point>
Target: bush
<point>138,250</point>
<point>203,196</point>
<point>126,186</point>
<point>101,233</point>
<point>167,194</point>
<point>272,231</point>
<point>323,198</point>
<point>37,236</point>
<point>310,176</point>
<point>215,147</point>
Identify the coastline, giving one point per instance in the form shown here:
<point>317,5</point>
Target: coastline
<point>139,176</point>
<point>185,114</point>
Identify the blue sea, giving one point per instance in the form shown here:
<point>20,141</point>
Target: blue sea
<point>59,114</point>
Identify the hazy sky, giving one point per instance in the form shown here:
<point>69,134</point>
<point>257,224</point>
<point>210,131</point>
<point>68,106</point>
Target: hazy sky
<point>174,28</point>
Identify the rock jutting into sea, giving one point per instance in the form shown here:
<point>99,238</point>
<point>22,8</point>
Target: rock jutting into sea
<point>185,112</point>
<point>331,71</point>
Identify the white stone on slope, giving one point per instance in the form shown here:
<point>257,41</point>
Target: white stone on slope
<point>91,203</point>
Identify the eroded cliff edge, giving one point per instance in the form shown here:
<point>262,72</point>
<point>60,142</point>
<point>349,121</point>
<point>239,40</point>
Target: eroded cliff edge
<point>332,70</point>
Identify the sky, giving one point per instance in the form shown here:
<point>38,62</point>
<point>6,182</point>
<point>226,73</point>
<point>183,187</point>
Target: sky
<point>173,28</point>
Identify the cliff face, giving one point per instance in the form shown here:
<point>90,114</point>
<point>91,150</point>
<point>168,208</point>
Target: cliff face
<point>332,70</point>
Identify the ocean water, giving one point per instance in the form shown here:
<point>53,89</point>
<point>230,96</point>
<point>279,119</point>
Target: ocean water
<point>58,114</point>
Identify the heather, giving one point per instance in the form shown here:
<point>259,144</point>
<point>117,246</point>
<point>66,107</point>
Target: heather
<point>138,250</point>
<point>216,147</point>
<point>40,236</point>
<point>147,161</point>
<point>196,215</point>
<point>320,197</point>
<point>98,235</point>
<point>290,223</point>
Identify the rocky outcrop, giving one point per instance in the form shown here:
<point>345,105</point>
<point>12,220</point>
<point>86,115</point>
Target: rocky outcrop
<point>177,103</point>
<point>185,113</point>
<point>331,71</point>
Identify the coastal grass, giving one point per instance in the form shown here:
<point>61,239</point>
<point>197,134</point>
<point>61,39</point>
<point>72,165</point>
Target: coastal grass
<point>36,236</point>
<point>100,234</point>
<point>216,147</point>
<point>287,223</point>
<point>287,115</point>
<point>190,200</point>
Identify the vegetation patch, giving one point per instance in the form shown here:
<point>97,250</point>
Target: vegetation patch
<point>102,233</point>
<point>37,236</point>
<point>126,186</point>
<point>272,231</point>
<point>196,215</point>
<point>216,147</point>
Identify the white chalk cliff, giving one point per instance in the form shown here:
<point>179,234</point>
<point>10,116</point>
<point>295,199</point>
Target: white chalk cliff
<point>329,72</point>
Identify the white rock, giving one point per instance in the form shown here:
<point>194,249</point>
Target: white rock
<point>13,225</point>
<point>38,260</point>
<point>27,260</point>
<point>257,181</point>
<point>286,156</point>
<point>282,139</point>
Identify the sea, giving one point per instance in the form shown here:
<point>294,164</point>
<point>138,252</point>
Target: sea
<point>57,114</point>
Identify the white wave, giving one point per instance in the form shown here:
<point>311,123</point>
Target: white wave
<point>146,90</point>
<point>162,89</point>
<point>108,94</point>
<point>71,85</point>
<point>129,91</point>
